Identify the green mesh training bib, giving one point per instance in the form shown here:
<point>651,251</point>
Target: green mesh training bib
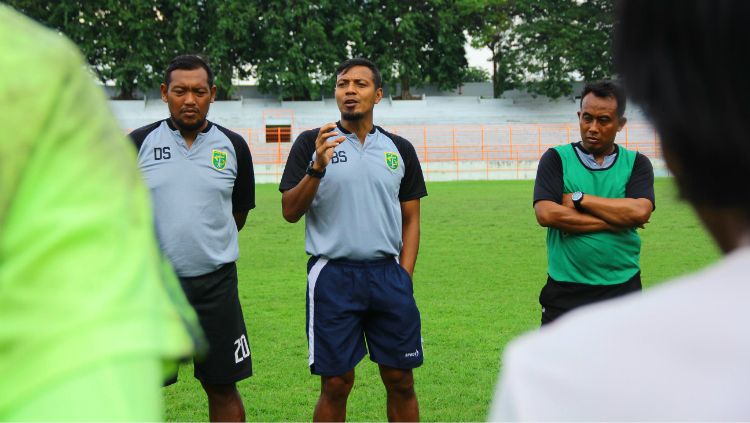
<point>596,258</point>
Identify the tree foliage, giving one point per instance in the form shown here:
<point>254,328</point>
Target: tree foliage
<point>130,42</point>
<point>301,43</point>
<point>488,23</point>
<point>414,43</point>
<point>475,74</point>
<point>122,40</point>
<point>222,31</point>
<point>292,48</point>
<point>555,41</point>
<point>541,45</point>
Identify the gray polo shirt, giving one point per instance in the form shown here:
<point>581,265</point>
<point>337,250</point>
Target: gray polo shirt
<point>356,213</point>
<point>195,191</point>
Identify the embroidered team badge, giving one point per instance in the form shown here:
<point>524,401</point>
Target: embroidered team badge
<point>219,159</point>
<point>391,160</point>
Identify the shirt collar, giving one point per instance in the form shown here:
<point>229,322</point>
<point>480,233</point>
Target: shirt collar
<point>342,129</point>
<point>589,160</point>
<point>174,128</point>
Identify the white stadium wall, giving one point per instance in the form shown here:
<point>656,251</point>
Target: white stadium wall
<point>456,137</point>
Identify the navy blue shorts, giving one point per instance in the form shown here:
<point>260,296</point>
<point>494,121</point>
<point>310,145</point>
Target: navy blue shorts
<point>353,307</point>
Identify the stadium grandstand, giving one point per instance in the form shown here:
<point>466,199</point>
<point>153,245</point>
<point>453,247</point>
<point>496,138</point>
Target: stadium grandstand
<point>457,136</point>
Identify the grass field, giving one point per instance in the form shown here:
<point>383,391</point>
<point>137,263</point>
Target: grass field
<point>482,262</point>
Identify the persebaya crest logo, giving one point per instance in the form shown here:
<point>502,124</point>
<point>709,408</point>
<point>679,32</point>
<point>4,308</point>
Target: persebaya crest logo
<point>391,160</point>
<point>219,159</point>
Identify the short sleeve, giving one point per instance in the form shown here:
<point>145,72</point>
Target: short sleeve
<point>243,193</point>
<point>412,185</point>
<point>641,182</point>
<point>549,178</point>
<point>138,136</point>
<point>299,157</point>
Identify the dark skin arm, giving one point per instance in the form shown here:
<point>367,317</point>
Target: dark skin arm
<point>553,215</point>
<point>621,212</point>
<point>409,235</point>
<point>296,201</point>
<point>239,219</point>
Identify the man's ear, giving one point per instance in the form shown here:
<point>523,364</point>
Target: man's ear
<point>213,93</point>
<point>163,88</point>
<point>621,123</point>
<point>378,95</point>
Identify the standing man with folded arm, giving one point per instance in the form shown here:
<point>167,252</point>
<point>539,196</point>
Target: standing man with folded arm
<point>592,196</point>
<point>679,351</point>
<point>360,195</point>
<point>202,185</point>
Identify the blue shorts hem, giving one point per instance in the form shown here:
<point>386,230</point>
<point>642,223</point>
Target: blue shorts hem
<point>336,372</point>
<point>401,366</point>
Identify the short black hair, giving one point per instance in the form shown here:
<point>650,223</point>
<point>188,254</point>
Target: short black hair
<point>604,89</point>
<point>361,61</point>
<point>682,62</point>
<point>188,62</point>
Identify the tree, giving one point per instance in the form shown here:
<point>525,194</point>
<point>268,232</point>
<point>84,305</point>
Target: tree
<point>488,24</point>
<point>475,74</point>
<point>301,43</point>
<point>593,58</point>
<point>131,42</point>
<point>447,54</point>
<point>225,32</point>
<point>291,47</point>
<point>556,41</point>
<point>122,40</point>
<point>414,43</point>
<point>541,45</point>
<point>233,39</point>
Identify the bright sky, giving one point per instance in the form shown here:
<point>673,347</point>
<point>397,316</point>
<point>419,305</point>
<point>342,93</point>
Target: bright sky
<point>476,57</point>
<point>479,58</point>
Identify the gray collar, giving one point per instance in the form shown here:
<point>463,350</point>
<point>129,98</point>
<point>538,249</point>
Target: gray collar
<point>589,160</point>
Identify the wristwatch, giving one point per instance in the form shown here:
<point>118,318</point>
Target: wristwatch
<point>314,173</point>
<point>577,197</point>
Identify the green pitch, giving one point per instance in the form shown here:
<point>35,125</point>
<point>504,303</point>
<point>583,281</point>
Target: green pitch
<point>482,262</point>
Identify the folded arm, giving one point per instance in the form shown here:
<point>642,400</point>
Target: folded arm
<point>622,212</point>
<point>553,215</point>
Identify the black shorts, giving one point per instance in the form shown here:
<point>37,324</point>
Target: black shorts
<point>216,302</point>
<point>557,298</point>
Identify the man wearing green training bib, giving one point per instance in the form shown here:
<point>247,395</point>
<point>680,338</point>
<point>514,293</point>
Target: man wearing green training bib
<point>592,195</point>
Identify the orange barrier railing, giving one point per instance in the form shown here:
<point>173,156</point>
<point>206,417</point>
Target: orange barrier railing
<point>459,149</point>
<point>450,148</point>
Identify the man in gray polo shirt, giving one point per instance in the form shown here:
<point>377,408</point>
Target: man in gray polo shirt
<point>202,186</point>
<point>360,193</point>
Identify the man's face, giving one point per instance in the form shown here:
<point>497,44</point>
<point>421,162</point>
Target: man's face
<point>188,97</point>
<point>356,94</point>
<point>599,124</point>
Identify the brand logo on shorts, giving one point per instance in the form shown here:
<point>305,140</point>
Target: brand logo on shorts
<point>218,159</point>
<point>391,160</point>
<point>412,354</point>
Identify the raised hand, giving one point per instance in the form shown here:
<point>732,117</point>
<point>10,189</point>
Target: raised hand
<point>324,145</point>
